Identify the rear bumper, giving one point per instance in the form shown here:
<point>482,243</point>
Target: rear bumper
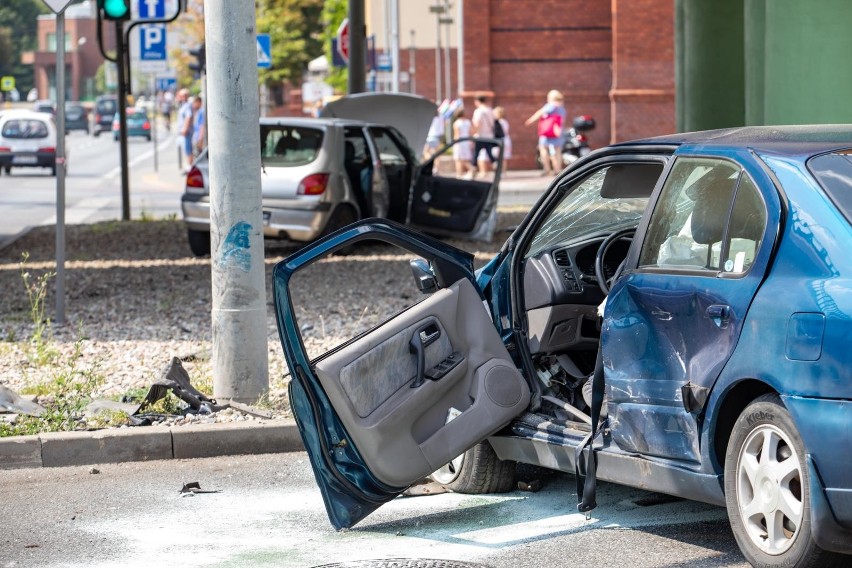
<point>826,429</point>
<point>28,159</point>
<point>302,221</point>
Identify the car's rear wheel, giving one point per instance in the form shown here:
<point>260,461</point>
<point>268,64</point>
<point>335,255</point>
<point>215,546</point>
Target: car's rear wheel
<point>8,170</point>
<point>477,471</point>
<point>199,242</point>
<point>767,489</point>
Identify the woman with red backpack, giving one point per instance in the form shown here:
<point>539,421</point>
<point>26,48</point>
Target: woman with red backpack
<point>551,118</point>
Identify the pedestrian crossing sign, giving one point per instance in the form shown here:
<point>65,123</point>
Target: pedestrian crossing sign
<point>7,83</point>
<point>264,51</point>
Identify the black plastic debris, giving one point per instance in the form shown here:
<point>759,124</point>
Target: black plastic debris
<point>193,488</point>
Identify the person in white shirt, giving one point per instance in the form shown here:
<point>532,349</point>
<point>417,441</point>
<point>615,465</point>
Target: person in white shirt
<point>483,127</point>
<point>463,151</point>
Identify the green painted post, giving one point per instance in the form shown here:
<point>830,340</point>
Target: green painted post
<point>755,61</point>
<point>711,86</point>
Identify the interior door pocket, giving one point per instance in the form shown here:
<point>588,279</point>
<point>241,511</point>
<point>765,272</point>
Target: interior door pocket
<point>498,393</point>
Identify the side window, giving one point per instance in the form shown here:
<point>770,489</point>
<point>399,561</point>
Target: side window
<point>389,152</point>
<point>688,226</point>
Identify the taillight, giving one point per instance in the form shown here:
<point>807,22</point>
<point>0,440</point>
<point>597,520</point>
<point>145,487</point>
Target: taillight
<point>314,184</point>
<point>5,149</point>
<point>194,180</point>
<point>581,138</point>
<point>49,149</point>
<point>97,117</point>
<point>146,125</point>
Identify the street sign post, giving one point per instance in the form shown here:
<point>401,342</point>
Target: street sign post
<point>343,40</point>
<point>152,37</point>
<point>264,51</point>
<point>57,6</point>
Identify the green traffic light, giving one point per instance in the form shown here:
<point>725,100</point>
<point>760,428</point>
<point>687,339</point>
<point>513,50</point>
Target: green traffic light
<point>116,9</point>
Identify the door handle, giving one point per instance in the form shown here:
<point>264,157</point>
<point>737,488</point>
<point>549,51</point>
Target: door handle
<point>423,336</point>
<point>720,314</point>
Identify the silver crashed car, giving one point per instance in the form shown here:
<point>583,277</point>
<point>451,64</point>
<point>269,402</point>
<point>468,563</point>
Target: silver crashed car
<point>321,174</point>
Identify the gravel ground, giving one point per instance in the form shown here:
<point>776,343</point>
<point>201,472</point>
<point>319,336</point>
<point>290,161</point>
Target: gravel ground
<point>135,298</point>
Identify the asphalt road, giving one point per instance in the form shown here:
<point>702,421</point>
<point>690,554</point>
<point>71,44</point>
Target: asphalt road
<point>268,513</point>
<point>93,184</point>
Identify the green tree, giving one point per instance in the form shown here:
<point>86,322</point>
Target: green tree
<point>333,13</point>
<point>295,28</point>
<point>18,24</point>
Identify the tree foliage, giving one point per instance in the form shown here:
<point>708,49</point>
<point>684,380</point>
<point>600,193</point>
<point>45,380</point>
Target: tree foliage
<point>18,24</point>
<point>333,14</point>
<point>295,29</point>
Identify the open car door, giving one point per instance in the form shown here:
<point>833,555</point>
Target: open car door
<point>447,204</point>
<point>386,408</point>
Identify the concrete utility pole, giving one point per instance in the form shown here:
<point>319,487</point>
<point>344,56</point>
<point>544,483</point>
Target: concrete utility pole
<point>357,47</point>
<point>240,363</point>
<point>394,17</point>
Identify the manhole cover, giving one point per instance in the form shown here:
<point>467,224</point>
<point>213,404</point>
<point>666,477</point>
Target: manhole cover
<point>404,563</point>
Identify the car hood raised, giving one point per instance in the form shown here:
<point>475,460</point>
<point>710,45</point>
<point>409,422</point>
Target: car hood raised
<point>410,114</point>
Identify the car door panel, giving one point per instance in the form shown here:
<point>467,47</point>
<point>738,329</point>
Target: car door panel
<point>452,206</point>
<point>368,433</point>
<point>369,384</point>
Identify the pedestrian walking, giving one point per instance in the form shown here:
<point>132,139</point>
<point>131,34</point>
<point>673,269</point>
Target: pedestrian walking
<point>483,127</point>
<point>199,126</point>
<point>501,130</point>
<point>463,151</point>
<point>550,119</point>
<point>184,126</point>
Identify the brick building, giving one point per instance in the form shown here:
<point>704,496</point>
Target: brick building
<point>82,56</point>
<point>612,59</point>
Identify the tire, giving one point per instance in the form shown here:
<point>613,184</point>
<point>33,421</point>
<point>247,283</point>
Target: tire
<point>759,485</point>
<point>477,471</point>
<point>96,133</point>
<point>8,170</point>
<point>342,216</point>
<point>199,242</point>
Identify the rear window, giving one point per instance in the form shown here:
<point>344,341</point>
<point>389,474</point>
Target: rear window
<point>289,145</point>
<point>106,106</point>
<point>24,128</point>
<point>834,174</point>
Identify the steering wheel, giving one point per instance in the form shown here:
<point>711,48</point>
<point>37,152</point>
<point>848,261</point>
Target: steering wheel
<point>601,254</point>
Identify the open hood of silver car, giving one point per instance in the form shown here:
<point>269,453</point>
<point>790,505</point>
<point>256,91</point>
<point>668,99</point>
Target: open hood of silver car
<point>410,114</point>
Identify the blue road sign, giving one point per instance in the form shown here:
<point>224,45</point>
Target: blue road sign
<point>152,37</point>
<point>166,83</point>
<point>264,51</point>
<point>152,9</point>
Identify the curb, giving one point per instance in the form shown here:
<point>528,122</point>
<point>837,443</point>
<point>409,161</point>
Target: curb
<point>145,443</point>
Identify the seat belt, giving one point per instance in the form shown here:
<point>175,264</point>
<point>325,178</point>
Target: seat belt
<point>587,480</point>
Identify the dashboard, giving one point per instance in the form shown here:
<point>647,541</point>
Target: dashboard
<point>561,294</point>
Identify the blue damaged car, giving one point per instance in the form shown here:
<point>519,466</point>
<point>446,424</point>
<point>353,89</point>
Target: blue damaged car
<point>674,314</point>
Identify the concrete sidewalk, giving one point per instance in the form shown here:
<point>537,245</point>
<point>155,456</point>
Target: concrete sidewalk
<point>145,443</point>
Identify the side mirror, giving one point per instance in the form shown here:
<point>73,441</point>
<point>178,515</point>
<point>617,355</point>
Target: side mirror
<point>423,276</point>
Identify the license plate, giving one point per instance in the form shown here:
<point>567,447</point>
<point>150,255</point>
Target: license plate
<point>24,159</point>
<point>267,215</point>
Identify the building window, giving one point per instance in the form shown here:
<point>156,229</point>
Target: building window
<point>51,42</point>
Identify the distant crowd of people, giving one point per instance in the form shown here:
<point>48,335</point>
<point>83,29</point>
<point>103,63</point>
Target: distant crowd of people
<point>477,156</point>
<point>191,122</point>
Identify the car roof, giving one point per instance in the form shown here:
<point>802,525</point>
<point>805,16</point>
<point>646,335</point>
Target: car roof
<point>784,139</point>
<point>313,122</point>
<point>26,114</point>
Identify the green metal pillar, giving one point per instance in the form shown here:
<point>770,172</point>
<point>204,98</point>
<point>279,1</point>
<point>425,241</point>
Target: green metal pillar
<point>755,61</point>
<point>807,75</point>
<point>710,68</point>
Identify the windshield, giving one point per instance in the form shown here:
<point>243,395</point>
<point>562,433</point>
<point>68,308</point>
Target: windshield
<point>834,173</point>
<point>289,145</point>
<point>586,211</point>
<point>24,128</point>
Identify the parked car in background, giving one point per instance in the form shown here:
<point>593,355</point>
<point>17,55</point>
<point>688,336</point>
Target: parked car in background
<point>321,174</point>
<point>27,139</point>
<point>76,117</point>
<point>138,124</point>
<point>105,109</point>
<point>719,371</point>
<point>45,106</point>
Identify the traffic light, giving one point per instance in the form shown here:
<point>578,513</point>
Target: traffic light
<point>200,64</point>
<point>115,9</point>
